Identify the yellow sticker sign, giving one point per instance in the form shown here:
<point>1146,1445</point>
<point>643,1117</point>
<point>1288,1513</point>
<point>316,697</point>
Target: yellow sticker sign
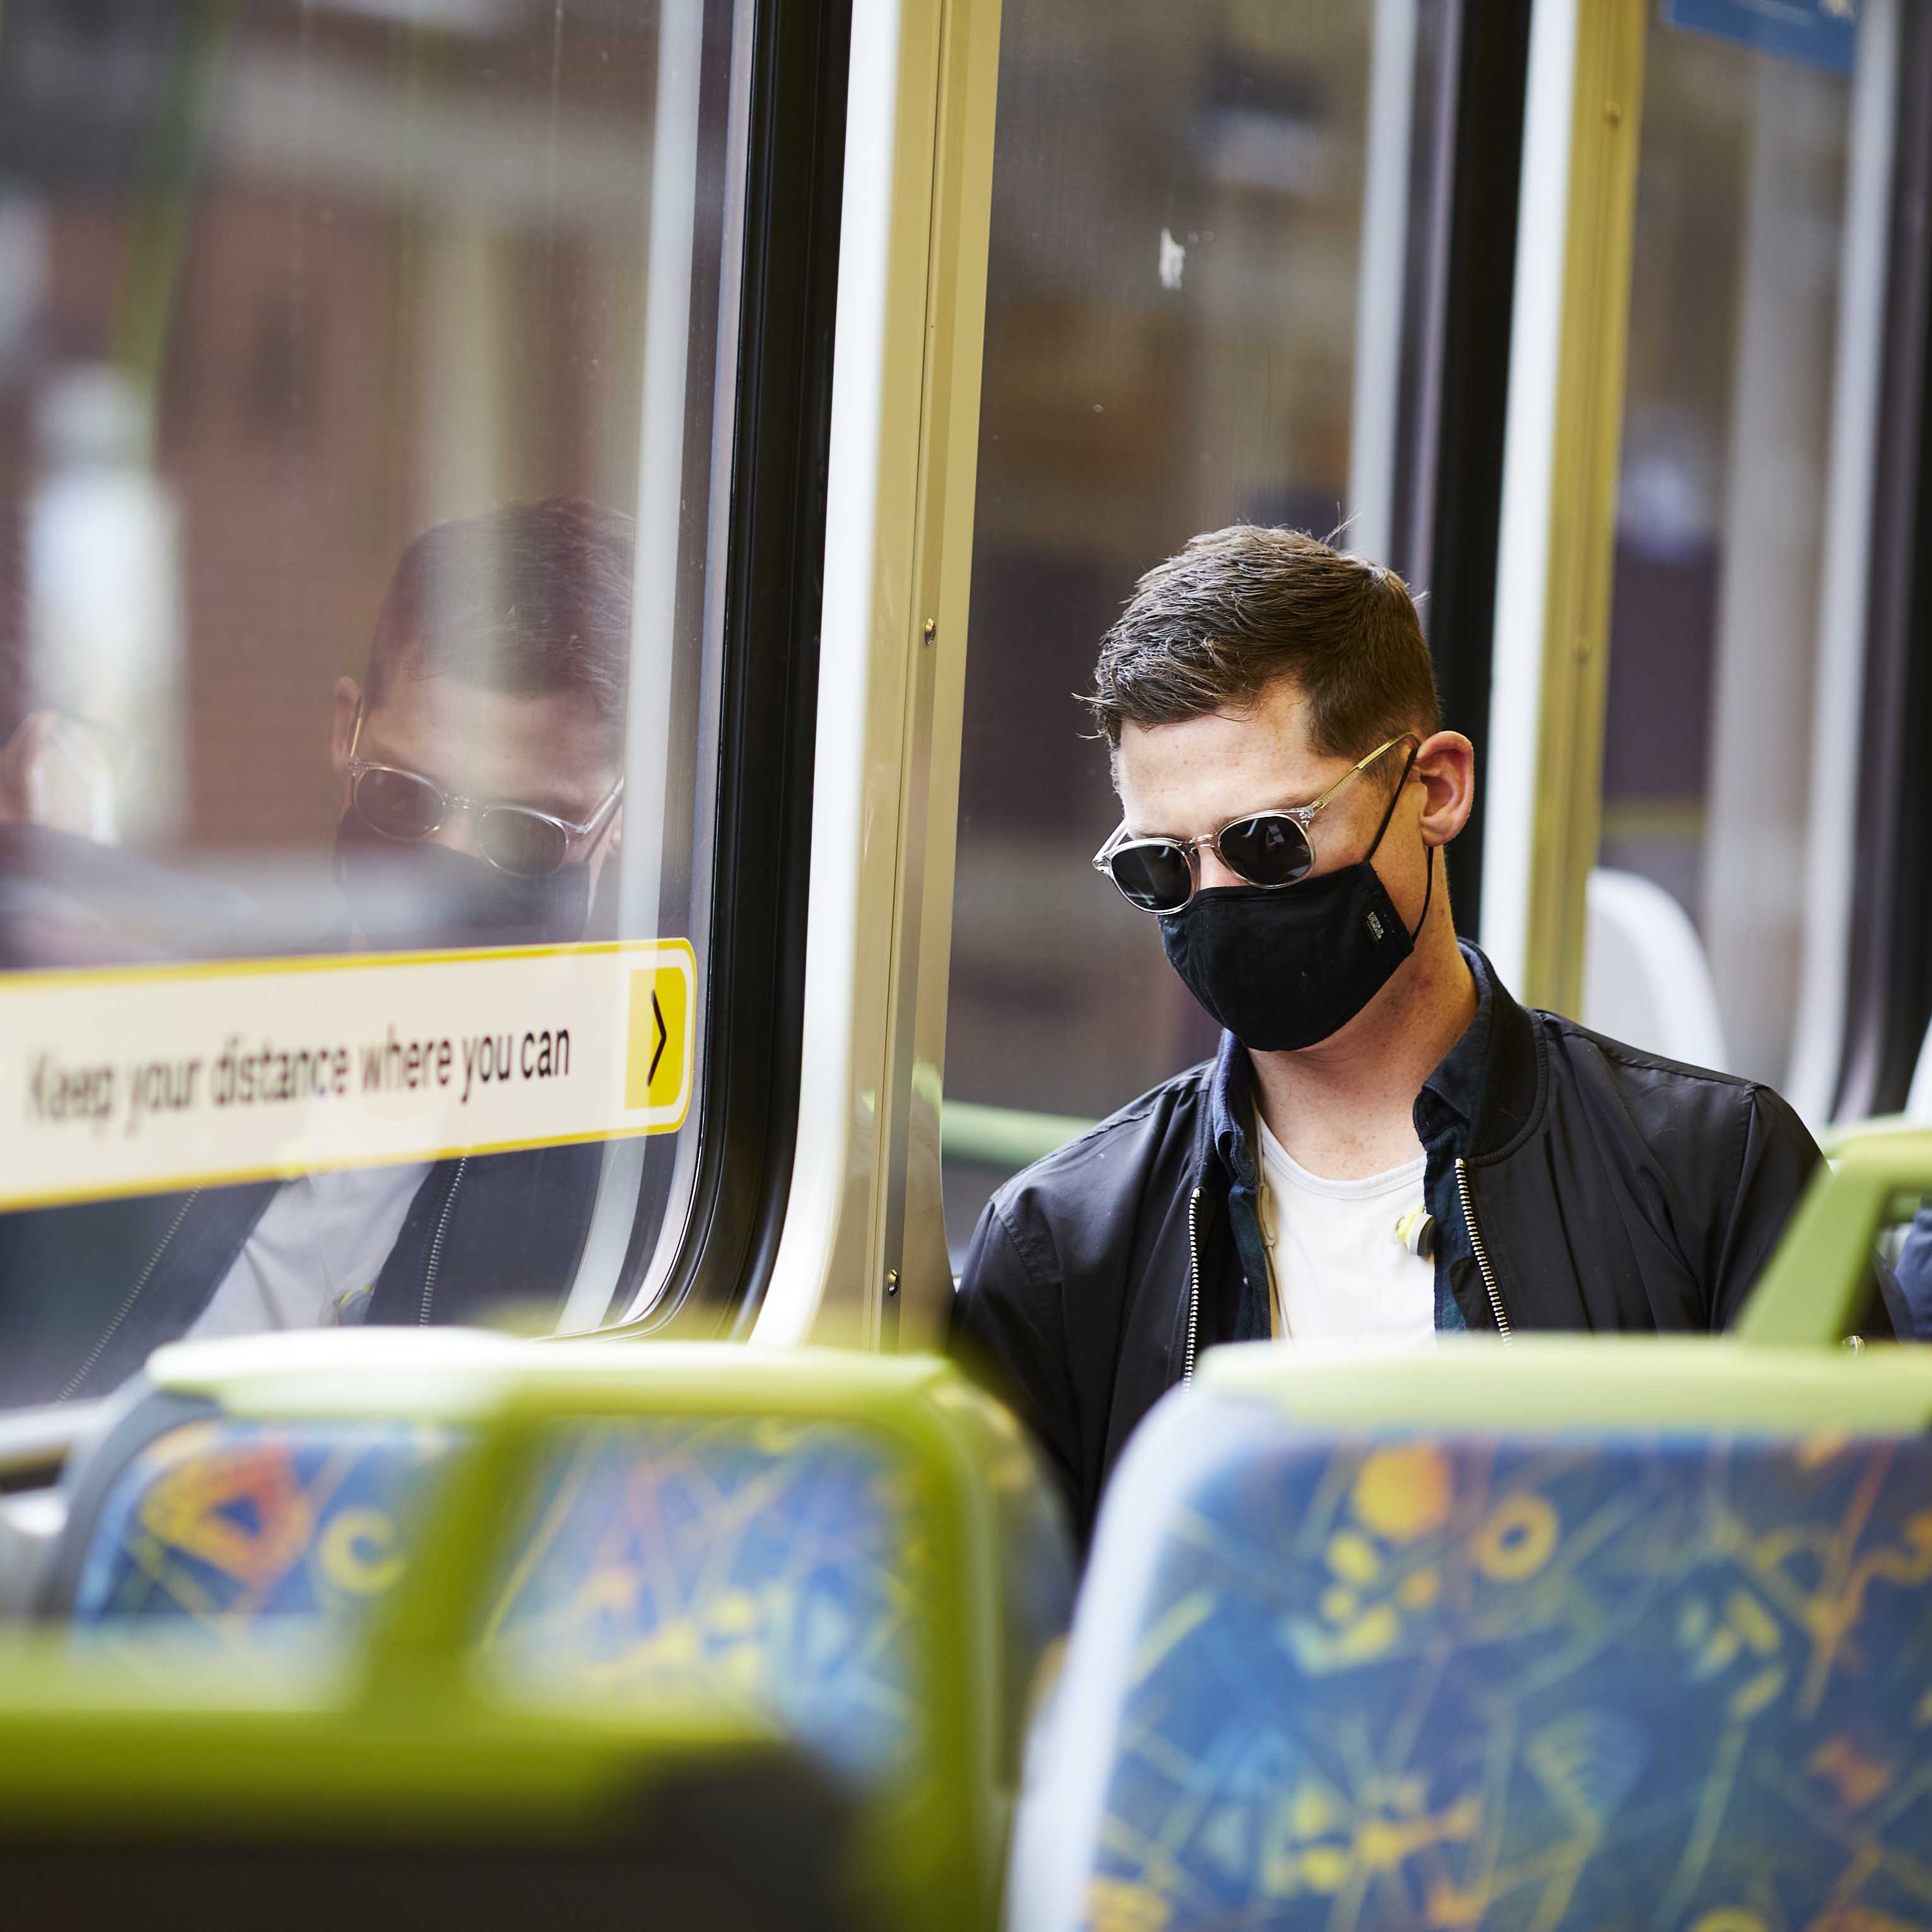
<point>147,1079</point>
<point>653,1075</point>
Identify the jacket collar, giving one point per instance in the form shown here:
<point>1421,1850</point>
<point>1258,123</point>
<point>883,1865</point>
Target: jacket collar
<point>1486,1089</point>
<point>1505,1046</point>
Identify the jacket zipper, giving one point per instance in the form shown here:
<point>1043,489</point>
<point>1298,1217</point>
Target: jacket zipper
<point>1482,1252</point>
<point>1193,1281</point>
<point>435,1246</point>
<point>134,1295</point>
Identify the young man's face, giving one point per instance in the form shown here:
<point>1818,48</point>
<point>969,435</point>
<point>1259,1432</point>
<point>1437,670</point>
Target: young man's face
<point>1188,780</point>
<point>547,750</point>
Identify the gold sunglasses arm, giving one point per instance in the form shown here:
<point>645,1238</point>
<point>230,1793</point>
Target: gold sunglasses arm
<point>1387,744</point>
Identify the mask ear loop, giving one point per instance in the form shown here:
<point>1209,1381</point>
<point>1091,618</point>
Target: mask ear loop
<point>1408,765</point>
<point>1428,893</point>
<point>1429,890</point>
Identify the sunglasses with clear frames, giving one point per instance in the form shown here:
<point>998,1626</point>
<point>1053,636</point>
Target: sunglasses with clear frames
<point>408,807</point>
<point>1270,849</point>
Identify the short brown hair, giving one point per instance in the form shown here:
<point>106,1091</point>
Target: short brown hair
<point>1241,608</point>
<point>531,599</point>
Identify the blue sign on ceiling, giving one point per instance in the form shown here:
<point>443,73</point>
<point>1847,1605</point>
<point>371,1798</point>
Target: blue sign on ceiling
<point>1819,33</point>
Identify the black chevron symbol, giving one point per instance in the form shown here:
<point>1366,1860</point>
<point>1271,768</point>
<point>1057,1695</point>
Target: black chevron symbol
<point>657,1014</point>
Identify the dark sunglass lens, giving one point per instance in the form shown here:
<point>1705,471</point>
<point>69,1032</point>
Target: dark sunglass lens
<point>399,804</point>
<point>1270,849</point>
<point>1154,875</point>
<point>521,842</point>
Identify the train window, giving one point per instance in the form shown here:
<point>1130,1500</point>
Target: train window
<point>1742,533</point>
<point>1201,242</point>
<point>363,364</point>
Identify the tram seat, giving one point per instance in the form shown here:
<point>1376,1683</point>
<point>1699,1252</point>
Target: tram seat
<point>1544,1635</point>
<point>232,1848</point>
<point>1349,1653</point>
<point>161,1786</point>
<point>1646,980</point>
<point>834,1543</point>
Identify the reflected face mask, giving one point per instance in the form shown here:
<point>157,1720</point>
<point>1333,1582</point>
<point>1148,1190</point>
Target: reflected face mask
<point>1285,968</point>
<point>403,897</point>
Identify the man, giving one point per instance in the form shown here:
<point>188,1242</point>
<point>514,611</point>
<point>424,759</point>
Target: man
<point>481,766</point>
<point>1387,1146</point>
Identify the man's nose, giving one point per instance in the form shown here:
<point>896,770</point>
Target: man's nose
<point>458,831</point>
<point>1215,870</point>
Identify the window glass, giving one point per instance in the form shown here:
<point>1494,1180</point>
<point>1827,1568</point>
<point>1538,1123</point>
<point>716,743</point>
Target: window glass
<point>362,366</point>
<point>1724,511</point>
<point>1179,308</point>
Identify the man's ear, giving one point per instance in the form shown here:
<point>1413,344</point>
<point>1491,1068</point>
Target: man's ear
<point>1446,765</point>
<point>342,734</point>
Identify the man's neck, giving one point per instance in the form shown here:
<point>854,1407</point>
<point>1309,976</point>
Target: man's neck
<point>1345,1108</point>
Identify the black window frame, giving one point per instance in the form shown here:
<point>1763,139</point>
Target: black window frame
<point>1888,977</point>
<point>746,1113</point>
<point>1459,306</point>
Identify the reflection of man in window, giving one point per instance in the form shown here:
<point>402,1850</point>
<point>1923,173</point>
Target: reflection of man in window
<point>481,766</point>
<point>482,762</point>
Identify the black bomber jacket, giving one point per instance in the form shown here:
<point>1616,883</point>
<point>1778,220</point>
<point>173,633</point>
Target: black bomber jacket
<point>1575,1183</point>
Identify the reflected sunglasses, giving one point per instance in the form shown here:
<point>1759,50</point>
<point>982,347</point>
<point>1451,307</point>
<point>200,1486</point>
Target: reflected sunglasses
<point>408,807</point>
<point>1270,849</point>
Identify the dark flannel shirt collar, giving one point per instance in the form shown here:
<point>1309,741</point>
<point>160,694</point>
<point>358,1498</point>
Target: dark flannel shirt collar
<point>1231,1108</point>
<point>1452,1096</point>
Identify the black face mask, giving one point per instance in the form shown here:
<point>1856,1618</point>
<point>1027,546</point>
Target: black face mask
<point>406,897</point>
<point>1282,968</point>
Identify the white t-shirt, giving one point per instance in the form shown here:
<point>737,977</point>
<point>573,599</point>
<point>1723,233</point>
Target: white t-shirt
<point>317,1248</point>
<point>1340,1270</point>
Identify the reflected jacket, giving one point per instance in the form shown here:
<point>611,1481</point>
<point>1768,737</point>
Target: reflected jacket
<point>86,1292</point>
<point>1914,1274</point>
<point>1575,1183</point>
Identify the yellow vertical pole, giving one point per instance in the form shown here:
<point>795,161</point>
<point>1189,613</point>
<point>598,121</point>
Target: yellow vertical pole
<point>1598,236</point>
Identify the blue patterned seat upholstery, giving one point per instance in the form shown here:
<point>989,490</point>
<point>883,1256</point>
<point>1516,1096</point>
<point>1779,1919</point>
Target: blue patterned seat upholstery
<point>246,1533</point>
<point>770,1566</point>
<point>767,1565</point>
<point>1671,1683</point>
